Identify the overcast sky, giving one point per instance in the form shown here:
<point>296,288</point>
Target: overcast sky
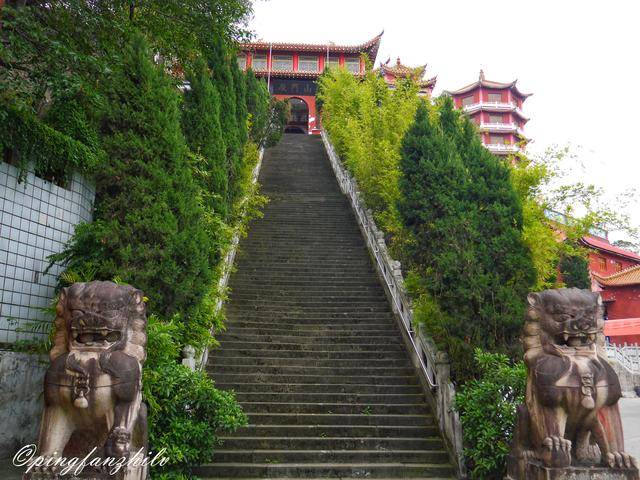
<point>580,59</point>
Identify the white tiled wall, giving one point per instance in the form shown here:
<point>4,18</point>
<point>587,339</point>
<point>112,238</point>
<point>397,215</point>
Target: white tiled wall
<point>36,219</point>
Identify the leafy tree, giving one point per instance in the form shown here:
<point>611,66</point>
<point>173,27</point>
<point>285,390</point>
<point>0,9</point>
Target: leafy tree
<point>556,207</point>
<point>149,227</point>
<point>366,123</point>
<point>203,132</point>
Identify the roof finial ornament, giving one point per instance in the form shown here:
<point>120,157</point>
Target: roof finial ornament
<point>398,61</point>
<point>481,75</point>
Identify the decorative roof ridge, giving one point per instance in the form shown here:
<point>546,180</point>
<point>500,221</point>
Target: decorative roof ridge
<point>483,82</point>
<point>320,46</point>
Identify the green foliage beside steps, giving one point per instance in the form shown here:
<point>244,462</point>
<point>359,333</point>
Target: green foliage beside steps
<point>487,407</point>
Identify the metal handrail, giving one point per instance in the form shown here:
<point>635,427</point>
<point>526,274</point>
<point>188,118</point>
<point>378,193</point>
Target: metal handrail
<point>385,267</point>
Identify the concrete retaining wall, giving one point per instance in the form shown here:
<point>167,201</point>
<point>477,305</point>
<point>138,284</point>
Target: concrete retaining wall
<point>21,399</point>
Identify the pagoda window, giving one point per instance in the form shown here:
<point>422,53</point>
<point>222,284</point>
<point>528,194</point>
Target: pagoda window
<point>308,63</point>
<point>282,62</point>
<point>352,64</point>
<point>497,140</point>
<point>242,61</point>
<point>495,98</point>
<point>468,100</point>
<point>332,62</point>
<point>495,118</point>
<point>259,61</point>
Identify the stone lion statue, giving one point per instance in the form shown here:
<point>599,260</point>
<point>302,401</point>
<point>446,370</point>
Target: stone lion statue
<point>92,388</point>
<point>570,416</point>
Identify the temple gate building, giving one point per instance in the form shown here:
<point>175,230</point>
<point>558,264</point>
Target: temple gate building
<point>497,110</point>
<point>291,71</point>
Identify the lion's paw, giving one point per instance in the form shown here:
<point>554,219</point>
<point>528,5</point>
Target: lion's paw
<point>556,452</point>
<point>45,471</point>
<point>620,460</point>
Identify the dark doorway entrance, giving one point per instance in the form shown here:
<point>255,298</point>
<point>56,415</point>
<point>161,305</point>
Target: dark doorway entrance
<point>299,118</point>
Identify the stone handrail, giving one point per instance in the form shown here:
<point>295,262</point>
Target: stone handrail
<point>628,356</point>
<point>434,364</point>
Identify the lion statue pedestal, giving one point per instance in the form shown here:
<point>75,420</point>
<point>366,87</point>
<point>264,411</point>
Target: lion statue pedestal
<point>569,427</point>
<point>92,391</point>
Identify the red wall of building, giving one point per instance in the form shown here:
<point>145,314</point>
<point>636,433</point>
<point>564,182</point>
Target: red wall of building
<point>626,301</point>
<point>595,264</point>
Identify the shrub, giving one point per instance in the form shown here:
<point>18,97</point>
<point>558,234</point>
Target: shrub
<point>487,409</point>
<point>186,411</point>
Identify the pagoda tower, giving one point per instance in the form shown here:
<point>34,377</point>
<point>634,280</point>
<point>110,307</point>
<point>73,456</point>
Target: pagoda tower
<point>497,110</point>
<point>391,74</point>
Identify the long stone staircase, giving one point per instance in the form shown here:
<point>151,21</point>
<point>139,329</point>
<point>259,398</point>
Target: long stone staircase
<point>311,347</point>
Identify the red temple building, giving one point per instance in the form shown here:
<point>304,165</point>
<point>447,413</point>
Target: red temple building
<point>615,273</point>
<point>392,73</point>
<point>497,110</point>
<point>291,70</point>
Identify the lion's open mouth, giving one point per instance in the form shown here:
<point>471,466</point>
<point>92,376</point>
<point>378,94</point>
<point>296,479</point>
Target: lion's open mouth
<point>577,339</point>
<point>95,336</point>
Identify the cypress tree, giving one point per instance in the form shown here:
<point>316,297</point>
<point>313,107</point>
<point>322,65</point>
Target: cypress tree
<point>203,131</point>
<point>149,227</point>
<point>464,244</point>
<point>258,101</point>
<point>239,84</point>
<point>222,77</point>
<point>502,257</point>
<point>575,271</point>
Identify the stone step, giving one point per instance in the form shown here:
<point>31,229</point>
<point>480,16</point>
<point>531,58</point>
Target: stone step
<point>309,307</point>
<point>331,443</point>
<point>334,379</point>
<point>342,318</point>
<point>238,282</point>
<point>345,408</point>
<point>311,355</point>
<point>316,346</point>
<point>364,431</point>
<point>309,370</point>
<point>317,304</point>
<point>323,470</point>
<point>342,398</point>
<point>308,339</point>
<point>223,362</point>
<point>328,456</point>
<point>321,388</point>
<point>339,419</point>
<point>291,326</point>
